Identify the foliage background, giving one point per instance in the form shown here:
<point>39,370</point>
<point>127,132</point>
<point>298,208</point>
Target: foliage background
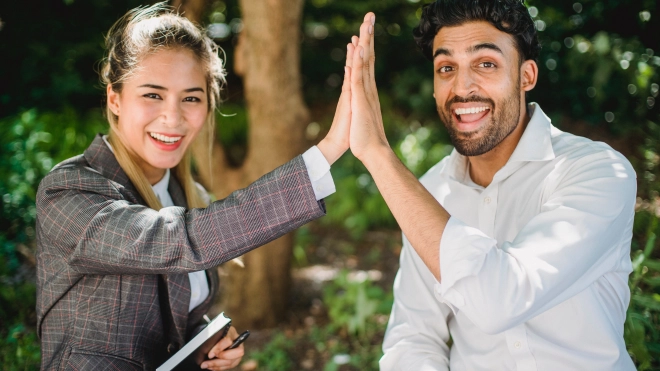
<point>599,78</point>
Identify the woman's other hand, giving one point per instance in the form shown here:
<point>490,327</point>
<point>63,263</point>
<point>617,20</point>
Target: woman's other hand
<point>221,359</point>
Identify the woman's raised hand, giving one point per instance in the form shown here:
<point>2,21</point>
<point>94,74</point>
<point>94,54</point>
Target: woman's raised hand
<point>336,142</point>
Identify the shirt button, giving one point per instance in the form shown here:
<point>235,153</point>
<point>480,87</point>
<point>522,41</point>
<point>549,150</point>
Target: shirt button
<point>487,200</point>
<point>517,345</point>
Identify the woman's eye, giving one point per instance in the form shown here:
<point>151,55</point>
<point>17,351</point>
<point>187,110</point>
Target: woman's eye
<point>152,96</point>
<point>191,99</point>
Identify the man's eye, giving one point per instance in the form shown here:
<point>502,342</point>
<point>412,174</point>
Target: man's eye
<point>488,64</point>
<point>152,96</point>
<point>191,99</point>
<point>445,69</point>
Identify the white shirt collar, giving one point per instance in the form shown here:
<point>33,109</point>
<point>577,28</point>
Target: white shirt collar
<point>536,142</point>
<point>534,145</point>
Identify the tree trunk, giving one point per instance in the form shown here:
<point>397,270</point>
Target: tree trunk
<point>268,60</point>
<point>191,9</point>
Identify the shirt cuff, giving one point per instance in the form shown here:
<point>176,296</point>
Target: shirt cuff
<point>463,251</point>
<point>318,170</point>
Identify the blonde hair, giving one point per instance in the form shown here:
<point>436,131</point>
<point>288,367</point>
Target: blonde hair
<point>142,32</point>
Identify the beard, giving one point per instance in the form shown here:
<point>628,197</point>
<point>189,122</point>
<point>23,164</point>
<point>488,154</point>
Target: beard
<point>505,116</point>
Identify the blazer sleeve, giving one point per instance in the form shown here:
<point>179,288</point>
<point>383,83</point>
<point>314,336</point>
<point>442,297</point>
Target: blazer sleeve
<point>84,218</point>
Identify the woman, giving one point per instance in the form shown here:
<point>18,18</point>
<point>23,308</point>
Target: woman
<point>122,241</point>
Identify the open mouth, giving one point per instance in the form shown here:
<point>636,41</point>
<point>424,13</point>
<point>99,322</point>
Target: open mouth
<point>470,114</point>
<point>165,139</point>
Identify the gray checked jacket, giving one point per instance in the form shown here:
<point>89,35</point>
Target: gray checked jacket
<point>112,283</point>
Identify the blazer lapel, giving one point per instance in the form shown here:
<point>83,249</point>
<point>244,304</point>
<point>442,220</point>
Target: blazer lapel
<point>179,199</point>
<point>178,284</point>
<point>102,159</point>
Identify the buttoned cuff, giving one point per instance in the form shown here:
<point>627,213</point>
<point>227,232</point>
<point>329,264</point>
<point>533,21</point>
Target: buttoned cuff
<point>318,170</point>
<point>463,251</point>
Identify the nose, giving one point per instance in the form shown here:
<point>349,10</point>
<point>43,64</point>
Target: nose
<point>464,83</point>
<point>172,114</point>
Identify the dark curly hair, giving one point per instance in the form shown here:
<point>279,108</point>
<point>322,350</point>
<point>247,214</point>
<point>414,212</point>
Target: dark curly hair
<point>510,16</point>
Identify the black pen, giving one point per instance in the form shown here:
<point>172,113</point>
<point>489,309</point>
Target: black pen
<point>239,340</point>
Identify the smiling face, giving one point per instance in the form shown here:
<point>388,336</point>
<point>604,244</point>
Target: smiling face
<point>161,109</point>
<point>479,85</point>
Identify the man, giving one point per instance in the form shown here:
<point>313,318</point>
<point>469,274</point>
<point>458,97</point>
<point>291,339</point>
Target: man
<point>516,249</point>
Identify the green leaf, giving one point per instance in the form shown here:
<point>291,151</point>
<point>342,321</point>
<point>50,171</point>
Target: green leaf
<point>647,301</point>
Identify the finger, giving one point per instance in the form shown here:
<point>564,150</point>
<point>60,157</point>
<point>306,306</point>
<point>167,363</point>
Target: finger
<point>344,103</point>
<point>224,342</point>
<point>357,71</point>
<point>372,57</point>
<point>219,347</point>
<point>366,32</point>
<point>346,86</point>
<point>343,111</point>
<point>359,92</point>
<point>232,354</point>
<point>350,49</point>
<point>217,364</point>
<point>367,41</point>
<point>355,40</point>
<point>366,29</point>
<point>371,17</point>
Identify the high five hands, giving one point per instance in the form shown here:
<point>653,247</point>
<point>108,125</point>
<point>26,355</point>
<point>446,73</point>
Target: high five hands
<point>358,122</point>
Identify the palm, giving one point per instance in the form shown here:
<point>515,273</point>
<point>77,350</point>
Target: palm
<point>366,130</point>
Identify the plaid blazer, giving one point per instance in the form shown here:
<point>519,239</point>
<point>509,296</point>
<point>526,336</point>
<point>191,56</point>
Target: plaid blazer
<point>112,283</point>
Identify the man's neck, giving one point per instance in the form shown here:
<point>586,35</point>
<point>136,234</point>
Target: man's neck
<point>484,167</point>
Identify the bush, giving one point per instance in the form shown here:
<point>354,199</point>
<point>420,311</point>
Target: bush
<point>32,144</point>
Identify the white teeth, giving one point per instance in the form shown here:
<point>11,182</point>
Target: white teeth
<point>467,111</point>
<point>165,139</point>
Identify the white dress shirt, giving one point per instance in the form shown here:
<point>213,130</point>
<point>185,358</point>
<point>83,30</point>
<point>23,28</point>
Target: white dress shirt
<point>534,267</point>
<point>318,170</point>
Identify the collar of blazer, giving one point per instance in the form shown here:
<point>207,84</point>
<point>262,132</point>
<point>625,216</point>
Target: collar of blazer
<point>101,159</point>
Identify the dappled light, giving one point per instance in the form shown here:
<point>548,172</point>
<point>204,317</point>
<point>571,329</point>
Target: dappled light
<point>599,77</point>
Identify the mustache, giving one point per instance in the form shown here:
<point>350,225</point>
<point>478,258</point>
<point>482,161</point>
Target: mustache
<point>470,99</point>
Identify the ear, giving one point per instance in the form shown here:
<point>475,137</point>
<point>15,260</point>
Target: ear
<point>113,100</point>
<point>529,73</point>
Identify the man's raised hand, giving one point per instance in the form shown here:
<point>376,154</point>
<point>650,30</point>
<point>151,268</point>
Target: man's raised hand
<point>367,136</point>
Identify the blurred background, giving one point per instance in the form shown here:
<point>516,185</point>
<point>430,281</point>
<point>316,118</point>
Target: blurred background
<point>320,298</point>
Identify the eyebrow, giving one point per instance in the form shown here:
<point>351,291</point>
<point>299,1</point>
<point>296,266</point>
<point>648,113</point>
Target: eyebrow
<point>473,49</point>
<point>491,46</point>
<point>158,87</point>
<point>441,51</point>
